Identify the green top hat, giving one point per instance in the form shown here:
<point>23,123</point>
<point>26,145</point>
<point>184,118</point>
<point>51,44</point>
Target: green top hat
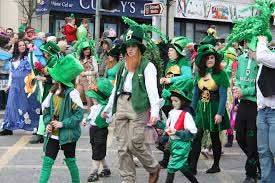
<point>179,43</point>
<point>182,89</point>
<point>133,36</point>
<point>101,90</point>
<point>115,51</point>
<point>66,70</point>
<point>207,49</point>
<point>50,47</point>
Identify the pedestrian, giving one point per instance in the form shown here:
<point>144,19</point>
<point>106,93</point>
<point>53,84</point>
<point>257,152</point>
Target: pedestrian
<point>62,115</point>
<point>266,106</point>
<point>99,93</point>
<point>245,91</point>
<point>181,129</point>
<point>22,111</point>
<point>209,99</point>
<point>134,93</point>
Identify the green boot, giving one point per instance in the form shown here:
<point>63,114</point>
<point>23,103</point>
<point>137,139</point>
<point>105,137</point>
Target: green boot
<point>73,169</point>
<point>46,169</point>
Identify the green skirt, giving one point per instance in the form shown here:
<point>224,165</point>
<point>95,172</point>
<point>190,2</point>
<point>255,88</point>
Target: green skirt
<point>205,115</point>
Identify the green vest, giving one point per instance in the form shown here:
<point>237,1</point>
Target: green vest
<point>140,100</point>
<point>101,122</point>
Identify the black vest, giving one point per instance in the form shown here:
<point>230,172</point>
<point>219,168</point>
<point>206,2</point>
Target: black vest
<point>266,81</point>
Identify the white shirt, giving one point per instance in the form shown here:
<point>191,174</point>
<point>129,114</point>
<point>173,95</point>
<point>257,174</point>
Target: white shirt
<point>267,58</point>
<point>150,75</point>
<point>95,111</point>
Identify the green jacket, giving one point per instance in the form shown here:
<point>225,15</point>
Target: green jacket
<point>246,77</point>
<point>71,119</point>
<point>22,28</point>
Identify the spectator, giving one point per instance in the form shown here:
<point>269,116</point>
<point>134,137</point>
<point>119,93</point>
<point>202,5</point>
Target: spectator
<point>52,38</point>
<point>63,47</point>
<point>30,34</point>
<point>82,30</point>
<point>23,25</point>
<point>106,45</point>
<point>38,42</point>
<point>70,30</point>
<point>9,31</point>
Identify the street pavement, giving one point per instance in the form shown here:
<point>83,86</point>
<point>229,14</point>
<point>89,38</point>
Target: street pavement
<point>21,162</point>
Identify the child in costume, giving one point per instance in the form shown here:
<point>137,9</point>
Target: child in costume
<point>181,129</point>
<point>209,100</point>
<point>62,115</point>
<point>99,93</point>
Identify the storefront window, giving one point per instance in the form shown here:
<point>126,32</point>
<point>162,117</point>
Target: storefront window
<point>91,29</point>
<point>177,29</point>
<point>109,26</point>
<point>59,24</point>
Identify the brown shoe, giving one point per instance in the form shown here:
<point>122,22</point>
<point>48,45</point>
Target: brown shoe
<point>153,177</point>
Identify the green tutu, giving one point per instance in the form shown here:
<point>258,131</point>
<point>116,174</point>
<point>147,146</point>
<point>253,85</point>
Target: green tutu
<point>206,112</point>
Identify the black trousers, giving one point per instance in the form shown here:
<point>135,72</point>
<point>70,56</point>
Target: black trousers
<point>196,149</point>
<point>246,135</point>
<point>53,148</point>
<point>3,99</point>
<point>98,140</point>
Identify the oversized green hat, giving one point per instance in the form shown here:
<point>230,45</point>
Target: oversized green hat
<point>206,50</point>
<point>101,90</point>
<point>50,47</point>
<point>114,51</point>
<point>183,89</point>
<point>66,70</point>
<point>252,45</point>
<point>208,40</point>
<point>133,36</point>
<point>179,43</point>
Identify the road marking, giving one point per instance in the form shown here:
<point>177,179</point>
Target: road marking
<point>12,151</point>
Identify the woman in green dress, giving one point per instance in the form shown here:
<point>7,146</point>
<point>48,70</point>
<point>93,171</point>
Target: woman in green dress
<point>112,63</point>
<point>209,100</point>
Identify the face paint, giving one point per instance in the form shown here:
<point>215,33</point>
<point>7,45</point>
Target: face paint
<point>176,102</point>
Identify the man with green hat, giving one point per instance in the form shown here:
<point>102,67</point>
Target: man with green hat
<point>135,92</point>
<point>99,93</point>
<point>50,51</point>
<point>62,115</point>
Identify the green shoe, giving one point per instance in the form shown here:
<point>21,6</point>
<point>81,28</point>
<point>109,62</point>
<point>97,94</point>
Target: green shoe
<point>46,169</point>
<point>70,162</point>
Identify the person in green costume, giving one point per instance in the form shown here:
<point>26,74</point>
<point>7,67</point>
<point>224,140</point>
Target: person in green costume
<point>50,51</point>
<point>178,67</point>
<point>62,115</point>
<point>112,63</point>
<point>181,128</point>
<point>209,100</point>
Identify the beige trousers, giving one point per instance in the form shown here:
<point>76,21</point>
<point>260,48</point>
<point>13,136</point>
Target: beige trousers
<point>130,135</point>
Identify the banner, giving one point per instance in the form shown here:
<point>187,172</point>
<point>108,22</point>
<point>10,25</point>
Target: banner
<point>211,10</point>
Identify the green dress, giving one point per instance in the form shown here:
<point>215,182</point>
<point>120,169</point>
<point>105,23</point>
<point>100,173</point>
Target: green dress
<point>111,73</point>
<point>209,101</point>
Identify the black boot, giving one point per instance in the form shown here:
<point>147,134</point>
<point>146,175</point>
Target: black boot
<point>36,139</point>
<point>229,141</point>
<point>190,176</point>
<point>164,162</point>
<point>6,132</point>
<point>170,178</point>
<point>214,169</point>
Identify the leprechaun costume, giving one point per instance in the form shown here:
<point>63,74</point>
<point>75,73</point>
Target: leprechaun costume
<point>180,143</point>
<point>65,106</point>
<point>209,100</point>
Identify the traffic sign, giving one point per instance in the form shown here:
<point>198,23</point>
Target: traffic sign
<point>151,9</point>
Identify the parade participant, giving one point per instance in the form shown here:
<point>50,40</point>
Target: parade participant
<point>112,63</point>
<point>246,130</point>
<point>50,52</point>
<point>99,93</point>
<point>70,30</point>
<point>134,93</point>
<point>106,45</point>
<point>266,104</point>
<point>90,72</point>
<point>22,111</point>
<point>181,129</point>
<point>209,99</point>
<point>62,115</point>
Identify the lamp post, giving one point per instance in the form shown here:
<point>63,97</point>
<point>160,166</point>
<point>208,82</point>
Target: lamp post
<point>97,20</point>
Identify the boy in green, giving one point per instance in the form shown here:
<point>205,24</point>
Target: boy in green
<point>246,130</point>
<point>99,93</point>
<point>62,115</point>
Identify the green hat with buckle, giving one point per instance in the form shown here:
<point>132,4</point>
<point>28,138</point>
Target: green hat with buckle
<point>66,70</point>
<point>179,43</point>
<point>207,49</point>
<point>133,36</point>
<point>50,47</point>
<point>101,90</point>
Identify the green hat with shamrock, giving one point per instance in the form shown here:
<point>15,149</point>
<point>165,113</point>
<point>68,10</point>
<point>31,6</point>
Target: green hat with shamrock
<point>66,70</point>
<point>133,36</point>
<point>101,90</point>
<point>207,49</point>
<point>179,44</point>
<point>50,47</point>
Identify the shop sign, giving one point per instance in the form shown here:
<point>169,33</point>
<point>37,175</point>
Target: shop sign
<point>211,10</point>
<point>153,9</point>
